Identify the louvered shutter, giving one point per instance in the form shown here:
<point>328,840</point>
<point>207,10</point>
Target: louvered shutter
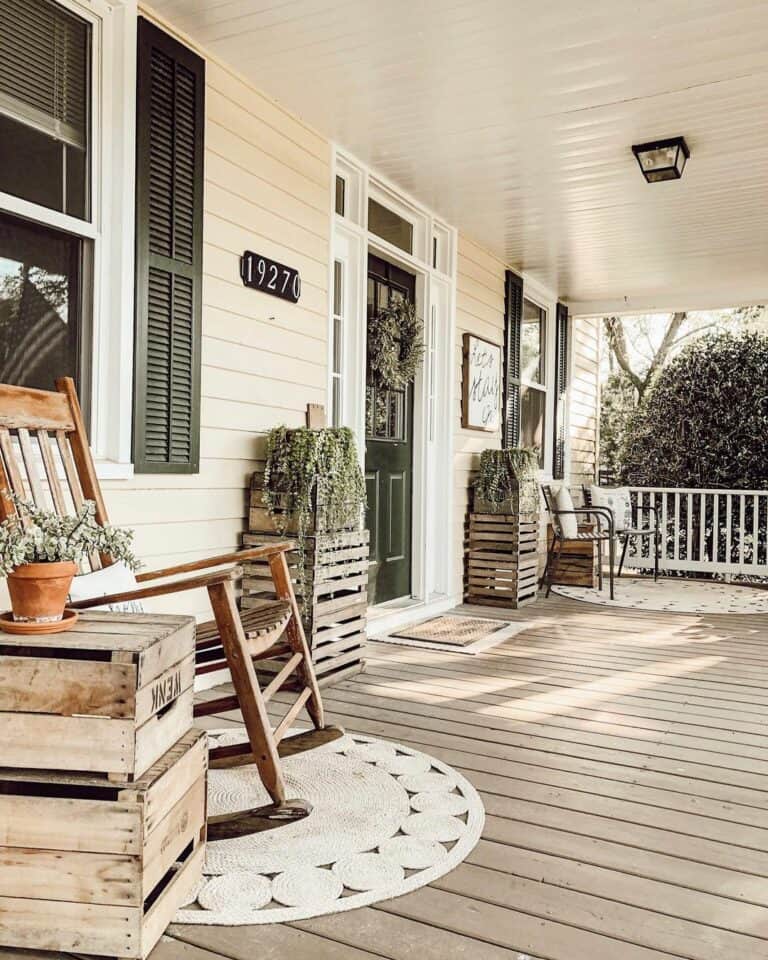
<point>513,321</point>
<point>561,386</point>
<point>44,53</point>
<point>169,253</point>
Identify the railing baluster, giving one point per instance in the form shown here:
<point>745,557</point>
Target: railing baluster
<point>677,526</point>
<point>755,528</point>
<point>664,528</point>
<point>742,527</point>
<point>729,528</point>
<point>702,527</point>
<point>716,529</point>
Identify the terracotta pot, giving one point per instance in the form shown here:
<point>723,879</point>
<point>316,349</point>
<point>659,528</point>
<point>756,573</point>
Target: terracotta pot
<point>39,590</point>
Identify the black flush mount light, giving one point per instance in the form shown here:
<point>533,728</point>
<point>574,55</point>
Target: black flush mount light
<point>662,159</point>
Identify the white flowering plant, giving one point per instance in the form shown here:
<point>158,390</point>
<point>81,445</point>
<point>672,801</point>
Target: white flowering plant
<point>35,535</point>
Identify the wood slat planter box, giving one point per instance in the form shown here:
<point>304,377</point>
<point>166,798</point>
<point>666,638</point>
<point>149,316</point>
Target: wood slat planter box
<point>110,696</point>
<point>577,565</point>
<point>92,867</point>
<point>502,559</point>
<point>335,613</point>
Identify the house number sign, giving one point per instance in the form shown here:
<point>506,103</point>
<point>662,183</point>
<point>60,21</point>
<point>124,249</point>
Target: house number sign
<point>266,275</point>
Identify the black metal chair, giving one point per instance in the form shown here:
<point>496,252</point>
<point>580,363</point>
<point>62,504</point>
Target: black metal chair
<point>604,533</point>
<point>625,534</point>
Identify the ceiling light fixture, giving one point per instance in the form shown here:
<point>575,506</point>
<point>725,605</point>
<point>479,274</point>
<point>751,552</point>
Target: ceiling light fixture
<point>662,159</point>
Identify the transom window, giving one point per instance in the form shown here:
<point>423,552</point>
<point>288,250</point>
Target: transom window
<point>390,226</point>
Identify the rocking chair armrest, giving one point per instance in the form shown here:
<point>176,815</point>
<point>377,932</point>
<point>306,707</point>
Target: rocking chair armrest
<point>160,589</point>
<point>239,556</point>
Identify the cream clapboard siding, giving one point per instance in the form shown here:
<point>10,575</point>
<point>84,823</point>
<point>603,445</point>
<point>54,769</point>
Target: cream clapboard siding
<point>267,188</point>
<point>583,397</point>
<point>479,310</point>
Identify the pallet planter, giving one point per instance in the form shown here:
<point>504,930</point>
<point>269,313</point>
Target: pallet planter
<point>502,559</point>
<point>335,610</point>
<point>99,868</point>
<point>110,696</point>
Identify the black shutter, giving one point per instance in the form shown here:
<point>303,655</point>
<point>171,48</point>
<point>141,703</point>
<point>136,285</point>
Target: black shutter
<point>169,254</point>
<point>513,321</point>
<point>561,385</point>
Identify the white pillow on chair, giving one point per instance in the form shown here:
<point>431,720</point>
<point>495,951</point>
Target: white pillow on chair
<point>618,500</point>
<point>116,578</point>
<point>569,524</point>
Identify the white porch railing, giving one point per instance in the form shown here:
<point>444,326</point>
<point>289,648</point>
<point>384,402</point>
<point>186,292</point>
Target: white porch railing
<point>713,531</point>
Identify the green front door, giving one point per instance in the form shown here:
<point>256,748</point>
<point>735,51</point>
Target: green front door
<point>389,456</point>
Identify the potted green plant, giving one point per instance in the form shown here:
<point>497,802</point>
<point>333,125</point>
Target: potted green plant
<point>506,482</point>
<point>312,481</point>
<point>40,552</point>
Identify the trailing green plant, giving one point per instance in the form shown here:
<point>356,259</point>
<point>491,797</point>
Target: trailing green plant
<point>395,344</point>
<point>46,537</point>
<point>503,473</point>
<point>306,467</point>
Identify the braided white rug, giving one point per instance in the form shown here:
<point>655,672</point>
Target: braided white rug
<point>674,596</point>
<point>386,819</point>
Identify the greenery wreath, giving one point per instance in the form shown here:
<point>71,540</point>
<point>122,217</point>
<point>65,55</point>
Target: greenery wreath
<point>395,344</point>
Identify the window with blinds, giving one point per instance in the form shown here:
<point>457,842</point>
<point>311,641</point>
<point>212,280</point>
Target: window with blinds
<point>169,251</point>
<point>45,55</point>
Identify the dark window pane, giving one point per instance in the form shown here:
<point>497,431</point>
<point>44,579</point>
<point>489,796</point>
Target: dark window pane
<point>532,406</point>
<point>341,189</point>
<point>390,227</point>
<point>39,309</point>
<point>31,164</point>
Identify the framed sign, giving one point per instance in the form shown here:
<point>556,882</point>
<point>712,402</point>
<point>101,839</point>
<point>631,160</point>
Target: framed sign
<point>271,277</point>
<point>481,393</point>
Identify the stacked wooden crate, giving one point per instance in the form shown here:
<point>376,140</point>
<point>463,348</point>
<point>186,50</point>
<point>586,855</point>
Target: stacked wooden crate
<point>502,554</point>
<point>333,594</point>
<point>102,784</point>
<point>576,563</point>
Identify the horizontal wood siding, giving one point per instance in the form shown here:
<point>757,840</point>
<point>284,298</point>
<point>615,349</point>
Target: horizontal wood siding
<point>479,310</point>
<point>583,401</point>
<point>266,189</point>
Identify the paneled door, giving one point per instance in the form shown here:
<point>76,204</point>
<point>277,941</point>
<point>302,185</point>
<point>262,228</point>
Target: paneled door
<point>389,455</point>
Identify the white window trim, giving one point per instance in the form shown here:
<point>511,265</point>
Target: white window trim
<point>432,537</point>
<point>111,228</point>
<point>547,301</point>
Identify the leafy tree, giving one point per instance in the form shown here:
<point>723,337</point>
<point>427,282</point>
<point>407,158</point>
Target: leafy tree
<point>703,421</point>
<point>617,404</point>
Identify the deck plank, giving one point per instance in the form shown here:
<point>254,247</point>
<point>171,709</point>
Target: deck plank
<point>622,760</point>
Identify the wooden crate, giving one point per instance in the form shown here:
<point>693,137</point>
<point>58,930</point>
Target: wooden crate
<point>109,696</point>
<point>502,559</point>
<point>335,610</point>
<point>92,867</point>
<point>577,564</point>
<point>259,518</point>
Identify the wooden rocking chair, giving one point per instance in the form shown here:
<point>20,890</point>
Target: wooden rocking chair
<point>45,456</point>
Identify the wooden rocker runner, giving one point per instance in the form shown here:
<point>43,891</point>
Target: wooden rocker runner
<point>45,456</point>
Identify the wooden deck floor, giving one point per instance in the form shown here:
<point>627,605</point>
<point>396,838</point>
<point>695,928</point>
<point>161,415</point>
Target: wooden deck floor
<point>623,763</point>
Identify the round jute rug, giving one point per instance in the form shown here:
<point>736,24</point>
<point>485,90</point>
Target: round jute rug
<point>386,819</point>
<point>674,596</point>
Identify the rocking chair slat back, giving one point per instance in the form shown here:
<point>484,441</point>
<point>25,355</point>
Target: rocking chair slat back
<point>44,453</point>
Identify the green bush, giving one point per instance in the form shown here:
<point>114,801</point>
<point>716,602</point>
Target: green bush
<point>704,421</point>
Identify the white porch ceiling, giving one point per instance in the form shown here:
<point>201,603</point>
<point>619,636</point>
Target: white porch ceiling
<point>513,120</point>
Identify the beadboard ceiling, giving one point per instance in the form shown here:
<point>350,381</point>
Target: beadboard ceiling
<point>513,119</point>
